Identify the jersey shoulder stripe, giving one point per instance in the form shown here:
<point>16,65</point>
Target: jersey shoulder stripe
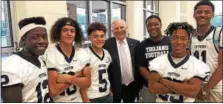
<point>217,35</point>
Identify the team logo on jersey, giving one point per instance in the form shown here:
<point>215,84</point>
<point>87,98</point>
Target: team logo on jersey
<point>74,60</point>
<point>107,60</point>
<point>173,74</point>
<point>102,65</point>
<point>208,39</point>
<point>69,68</point>
<point>73,98</point>
<point>184,68</point>
<point>42,75</point>
<point>200,46</point>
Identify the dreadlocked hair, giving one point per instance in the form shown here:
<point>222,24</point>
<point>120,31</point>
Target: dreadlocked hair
<point>179,25</point>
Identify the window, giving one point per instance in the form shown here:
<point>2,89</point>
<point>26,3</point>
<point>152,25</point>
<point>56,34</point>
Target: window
<point>7,44</point>
<point>77,10</point>
<point>118,11</point>
<point>217,19</point>
<point>104,11</point>
<point>148,5</point>
<point>100,13</point>
<point>150,8</point>
<point>6,37</point>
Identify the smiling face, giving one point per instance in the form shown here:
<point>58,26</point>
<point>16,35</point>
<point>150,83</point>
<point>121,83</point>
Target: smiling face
<point>67,34</point>
<point>97,39</point>
<point>203,15</point>
<point>119,29</point>
<point>179,42</point>
<point>36,41</point>
<point>154,27</point>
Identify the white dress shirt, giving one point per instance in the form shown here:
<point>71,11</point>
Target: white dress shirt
<point>128,57</point>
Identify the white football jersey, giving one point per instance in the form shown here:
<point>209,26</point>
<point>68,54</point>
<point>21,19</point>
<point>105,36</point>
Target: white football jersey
<point>17,70</point>
<point>188,68</point>
<point>55,59</point>
<point>204,50</point>
<point>100,84</point>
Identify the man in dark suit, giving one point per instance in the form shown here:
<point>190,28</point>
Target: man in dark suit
<point>122,72</point>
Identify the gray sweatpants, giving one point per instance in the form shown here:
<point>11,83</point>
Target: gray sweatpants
<point>147,97</point>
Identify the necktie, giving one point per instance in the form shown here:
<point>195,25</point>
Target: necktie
<point>126,79</point>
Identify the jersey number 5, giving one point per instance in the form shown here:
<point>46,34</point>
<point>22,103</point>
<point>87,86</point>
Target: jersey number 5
<point>102,81</point>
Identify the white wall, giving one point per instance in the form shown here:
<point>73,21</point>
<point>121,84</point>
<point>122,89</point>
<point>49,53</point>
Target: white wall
<point>187,10</point>
<point>134,18</point>
<point>177,11</point>
<point>50,10</point>
<point>170,11</point>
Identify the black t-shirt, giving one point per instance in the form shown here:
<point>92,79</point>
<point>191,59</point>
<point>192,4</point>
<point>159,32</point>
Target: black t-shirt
<point>148,49</point>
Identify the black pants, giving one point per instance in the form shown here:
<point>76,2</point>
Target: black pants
<point>128,94</point>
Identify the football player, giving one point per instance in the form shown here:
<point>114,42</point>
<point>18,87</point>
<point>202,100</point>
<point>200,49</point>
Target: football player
<point>157,44</point>
<point>177,76</point>
<point>24,75</point>
<point>207,46</point>
<point>99,91</point>
<point>67,62</point>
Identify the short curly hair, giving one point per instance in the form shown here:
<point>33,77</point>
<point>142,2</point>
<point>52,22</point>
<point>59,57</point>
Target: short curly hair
<point>204,2</point>
<point>180,25</point>
<point>153,16</point>
<point>59,24</point>
<point>96,26</point>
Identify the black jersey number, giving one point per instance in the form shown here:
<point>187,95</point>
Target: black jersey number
<point>4,79</point>
<point>202,55</point>
<point>70,90</point>
<point>102,81</point>
<point>173,99</point>
<point>46,98</point>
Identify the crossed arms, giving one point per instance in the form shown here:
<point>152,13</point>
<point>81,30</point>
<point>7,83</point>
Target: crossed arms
<point>159,85</point>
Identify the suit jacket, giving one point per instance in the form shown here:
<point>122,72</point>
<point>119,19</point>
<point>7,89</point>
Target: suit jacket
<point>114,70</point>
